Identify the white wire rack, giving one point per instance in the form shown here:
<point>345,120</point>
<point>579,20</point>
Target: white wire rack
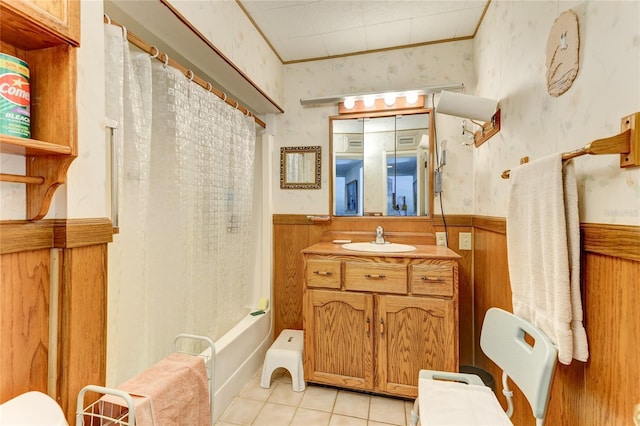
<point>104,412</point>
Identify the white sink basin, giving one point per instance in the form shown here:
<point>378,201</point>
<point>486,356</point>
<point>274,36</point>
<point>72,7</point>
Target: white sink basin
<point>379,248</point>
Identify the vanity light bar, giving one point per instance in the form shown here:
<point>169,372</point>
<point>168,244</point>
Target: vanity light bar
<point>351,106</point>
<point>334,99</point>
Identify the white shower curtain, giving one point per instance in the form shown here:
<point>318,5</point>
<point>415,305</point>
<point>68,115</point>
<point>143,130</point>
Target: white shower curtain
<point>181,260</point>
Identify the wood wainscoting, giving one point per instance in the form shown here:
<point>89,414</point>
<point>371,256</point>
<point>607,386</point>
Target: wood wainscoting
<point>456,225</point>
<point>291,234</point>
<point>603,390</point>
<point>74,252</point>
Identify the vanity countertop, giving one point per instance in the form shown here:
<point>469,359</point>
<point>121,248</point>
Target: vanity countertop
<point>421,251</point>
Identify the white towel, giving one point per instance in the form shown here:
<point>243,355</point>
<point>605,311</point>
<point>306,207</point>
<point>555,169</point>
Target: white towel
<point>456,404</point>
<point>543,243</point>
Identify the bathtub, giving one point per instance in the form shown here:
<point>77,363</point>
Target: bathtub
<point>239,354</point>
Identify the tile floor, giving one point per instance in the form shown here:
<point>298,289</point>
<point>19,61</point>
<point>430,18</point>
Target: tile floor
<point>316,406</point>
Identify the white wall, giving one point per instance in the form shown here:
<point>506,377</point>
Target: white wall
<point>392,70</point>
<point>13,197</point>
<point>509,55</point>
<point>87,192</point>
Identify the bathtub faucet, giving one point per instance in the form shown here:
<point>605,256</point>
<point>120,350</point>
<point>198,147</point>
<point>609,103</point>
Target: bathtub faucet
<point>380,235</point>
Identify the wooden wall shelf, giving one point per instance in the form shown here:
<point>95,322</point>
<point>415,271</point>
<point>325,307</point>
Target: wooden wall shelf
<point>22,146</point>
<point>45,35</point>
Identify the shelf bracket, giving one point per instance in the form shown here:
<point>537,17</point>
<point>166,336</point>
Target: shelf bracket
<point>53,169</point>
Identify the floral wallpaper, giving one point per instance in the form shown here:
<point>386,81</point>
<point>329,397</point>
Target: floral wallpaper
<point>505,61</point>
<point>390,70</point>
<point>228,28</point>
<point>509,56</point>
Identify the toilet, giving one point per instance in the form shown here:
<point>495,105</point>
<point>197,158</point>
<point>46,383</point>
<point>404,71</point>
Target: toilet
<point>31,409</point>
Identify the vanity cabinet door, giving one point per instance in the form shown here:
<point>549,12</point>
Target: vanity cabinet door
<point>414,333</point>
<point>338,338</point>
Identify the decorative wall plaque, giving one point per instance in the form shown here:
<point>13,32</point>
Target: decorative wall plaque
<point>563,53</point>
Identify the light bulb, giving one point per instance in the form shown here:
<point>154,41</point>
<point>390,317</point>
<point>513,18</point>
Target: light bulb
<point>411,97</point>
<point>349,103</point>
<point>389,99</point>
<point>369,101</point>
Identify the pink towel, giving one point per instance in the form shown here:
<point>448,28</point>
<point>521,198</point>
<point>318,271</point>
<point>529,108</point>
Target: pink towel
<point>173,392</point>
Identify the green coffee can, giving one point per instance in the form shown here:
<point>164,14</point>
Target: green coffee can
<point>15,105</point>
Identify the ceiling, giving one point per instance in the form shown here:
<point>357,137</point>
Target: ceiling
<point>302,30</point>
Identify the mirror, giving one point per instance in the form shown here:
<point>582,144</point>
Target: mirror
<point>382,164</point>
<point>300,167</point>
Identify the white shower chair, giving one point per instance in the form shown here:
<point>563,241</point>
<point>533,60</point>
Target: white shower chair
<point>446,398</point>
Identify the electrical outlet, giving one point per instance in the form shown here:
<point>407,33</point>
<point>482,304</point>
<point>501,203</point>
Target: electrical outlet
<point>464,240</point>
<point>441,238</point>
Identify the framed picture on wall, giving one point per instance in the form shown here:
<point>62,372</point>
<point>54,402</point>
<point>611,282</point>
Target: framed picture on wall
<point>351,194</point>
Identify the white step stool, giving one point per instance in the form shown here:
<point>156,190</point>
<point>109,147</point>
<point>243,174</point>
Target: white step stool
<point>285,352</point>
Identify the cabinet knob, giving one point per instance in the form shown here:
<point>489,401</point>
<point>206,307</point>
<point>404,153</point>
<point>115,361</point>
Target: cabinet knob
<point>368,327</point>
<point>323,273</point>
<point>382,326</point>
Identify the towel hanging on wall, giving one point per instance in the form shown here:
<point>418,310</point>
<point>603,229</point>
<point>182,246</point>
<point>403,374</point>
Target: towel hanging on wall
<point>543,243</point>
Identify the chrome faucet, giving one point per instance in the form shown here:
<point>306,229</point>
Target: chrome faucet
<point>380,235</point>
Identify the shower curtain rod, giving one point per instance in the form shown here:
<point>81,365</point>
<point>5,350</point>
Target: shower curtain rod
<point>154,52</point>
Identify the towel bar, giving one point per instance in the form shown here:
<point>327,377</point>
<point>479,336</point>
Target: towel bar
<point>626,143</point>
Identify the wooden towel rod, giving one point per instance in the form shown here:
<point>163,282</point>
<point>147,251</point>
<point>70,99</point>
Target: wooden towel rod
<point>625,142</point>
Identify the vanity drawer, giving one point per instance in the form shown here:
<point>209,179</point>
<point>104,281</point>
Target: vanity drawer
<point>323,273</point>
<point>432,279</point>
<point>375,277</point>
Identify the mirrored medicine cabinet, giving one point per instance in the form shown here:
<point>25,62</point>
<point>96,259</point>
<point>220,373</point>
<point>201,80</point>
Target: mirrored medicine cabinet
<point>382,164</point>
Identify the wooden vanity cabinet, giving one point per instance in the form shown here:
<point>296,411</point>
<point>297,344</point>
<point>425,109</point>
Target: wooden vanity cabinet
<point>372,321</point>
